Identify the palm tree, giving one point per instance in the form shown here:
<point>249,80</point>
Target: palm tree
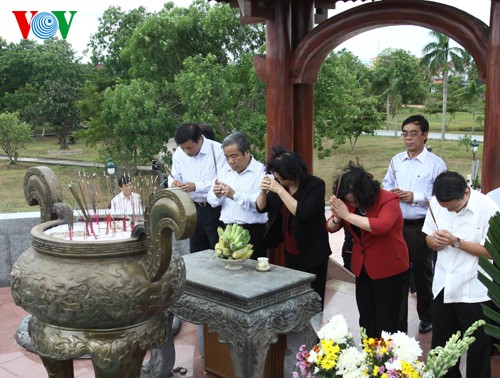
<point>473,95</point>
<point>440,58</point>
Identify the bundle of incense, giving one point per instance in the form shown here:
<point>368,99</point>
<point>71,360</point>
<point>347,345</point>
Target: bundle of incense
<point>393,169</point>
<point>427,202</point>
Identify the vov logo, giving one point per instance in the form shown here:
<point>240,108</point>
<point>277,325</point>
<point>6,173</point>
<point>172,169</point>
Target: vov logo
<point>44,24</point>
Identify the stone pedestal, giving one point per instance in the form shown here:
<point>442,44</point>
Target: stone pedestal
<point>246,307</point>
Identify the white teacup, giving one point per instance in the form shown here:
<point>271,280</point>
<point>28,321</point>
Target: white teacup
<point>263,263</point>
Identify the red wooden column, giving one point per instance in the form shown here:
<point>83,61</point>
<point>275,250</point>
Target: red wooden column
<point>491,153</point>
<point>279,96</point>
<point>303,94</point>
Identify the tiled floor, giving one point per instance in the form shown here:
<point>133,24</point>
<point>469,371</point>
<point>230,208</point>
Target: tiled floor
<point>15,361</point>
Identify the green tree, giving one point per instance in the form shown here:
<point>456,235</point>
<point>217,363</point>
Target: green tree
<point>230,97</point>
<point>473,95</point>
<point>440,58</point>
<point>113,34</point>
<point>158,47</point>
<point>344,108</point>
<point>14,133</point>
<point>398,79</point>
<point>138,120</point>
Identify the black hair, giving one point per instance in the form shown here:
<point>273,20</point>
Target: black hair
<point>289,165</point>
<point>123,180</point>
<point>239,139</point>
<point>449,186</point>
<point>417,120</point>
<point>359,182</point>
<point>187,131</point>
<point>207,130</point>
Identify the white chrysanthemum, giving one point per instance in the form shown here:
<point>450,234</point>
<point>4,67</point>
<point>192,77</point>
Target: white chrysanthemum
<point>350,363</point>
<point>394,365</point>
<point>407,348</point>
<point>336,330</point>
<point>313,357</point>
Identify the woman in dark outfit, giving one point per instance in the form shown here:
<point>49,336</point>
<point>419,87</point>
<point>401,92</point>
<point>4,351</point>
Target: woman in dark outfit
<point>299,199</point>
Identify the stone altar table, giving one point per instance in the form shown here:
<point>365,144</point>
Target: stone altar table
<point>246,307</point>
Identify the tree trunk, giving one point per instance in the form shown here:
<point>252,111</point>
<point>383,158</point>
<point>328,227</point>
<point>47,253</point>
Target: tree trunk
<point>388,111</point>
<point>445,99</point>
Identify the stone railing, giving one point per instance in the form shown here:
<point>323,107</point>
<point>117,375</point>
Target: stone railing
<point>15,230</point>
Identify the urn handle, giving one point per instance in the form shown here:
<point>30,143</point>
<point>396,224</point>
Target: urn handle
<point>42,187</point>
<point>169,210</point>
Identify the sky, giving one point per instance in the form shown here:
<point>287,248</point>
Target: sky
<point>85,22</point>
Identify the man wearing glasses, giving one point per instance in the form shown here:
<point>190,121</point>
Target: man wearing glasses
<point>411,176</point>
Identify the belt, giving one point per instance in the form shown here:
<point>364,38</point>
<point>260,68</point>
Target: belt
<point>414,221</point>
<point>201,204</point>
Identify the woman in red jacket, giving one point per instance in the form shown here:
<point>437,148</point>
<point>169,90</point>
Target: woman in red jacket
<point>379,255</point>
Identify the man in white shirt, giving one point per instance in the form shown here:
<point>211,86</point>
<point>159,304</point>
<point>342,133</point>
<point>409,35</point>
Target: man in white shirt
<point>237,189</point>
<point>411,175</point>
<point>194,168</point>
<point>126,202</point>
<point>456,227</point>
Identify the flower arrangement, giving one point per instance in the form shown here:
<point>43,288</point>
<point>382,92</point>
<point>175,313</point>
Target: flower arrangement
<point>391,356</point>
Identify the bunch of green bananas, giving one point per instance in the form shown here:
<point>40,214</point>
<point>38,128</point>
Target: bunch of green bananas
<point>233,243</point>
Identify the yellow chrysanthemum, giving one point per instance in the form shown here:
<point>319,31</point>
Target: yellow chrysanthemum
<point>408,370</point>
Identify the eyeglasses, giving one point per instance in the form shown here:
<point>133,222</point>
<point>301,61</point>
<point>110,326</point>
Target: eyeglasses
<point>413,133</point>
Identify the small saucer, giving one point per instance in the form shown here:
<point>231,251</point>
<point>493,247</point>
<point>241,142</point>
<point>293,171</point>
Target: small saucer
<point>263,270</point>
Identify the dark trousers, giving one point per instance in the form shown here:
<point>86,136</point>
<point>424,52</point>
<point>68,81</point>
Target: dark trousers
<point>447,319</point>
<point>205,235</point>
<point>319,283</point>
<point>256,231</point>
<point>421,261</point>
<point>383,303</point>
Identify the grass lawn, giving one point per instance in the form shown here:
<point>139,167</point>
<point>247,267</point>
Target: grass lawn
<point>374,153</point>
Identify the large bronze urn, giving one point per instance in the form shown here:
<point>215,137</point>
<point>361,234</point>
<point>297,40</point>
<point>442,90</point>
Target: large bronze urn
<point>105,298</point>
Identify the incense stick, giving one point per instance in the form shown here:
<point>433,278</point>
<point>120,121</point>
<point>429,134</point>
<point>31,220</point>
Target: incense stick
<point>393,169</point>
<point>427,202</point>
<point>215,162</point>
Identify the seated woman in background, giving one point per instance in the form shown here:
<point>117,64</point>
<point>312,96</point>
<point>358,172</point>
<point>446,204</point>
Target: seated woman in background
<point>299,221</point>
<point>379,259</point>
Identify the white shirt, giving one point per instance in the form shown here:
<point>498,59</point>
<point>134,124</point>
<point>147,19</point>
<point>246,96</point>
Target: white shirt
<point>456,270</point>
<point>416,175</point>
<point>241,209</point>
<point>199,169</point>
<point>495,195</point>
<point>123,205</point>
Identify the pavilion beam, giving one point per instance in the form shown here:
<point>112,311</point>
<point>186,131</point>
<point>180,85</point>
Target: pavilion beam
<point>279,95</point>
<point>491,149</point>
<point>303,94</point>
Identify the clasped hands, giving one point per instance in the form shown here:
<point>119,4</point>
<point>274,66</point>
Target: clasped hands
<point>186,186</point>
<point>403,195</point>
<point>443,238</point>
<point>268,183</point>
<point>222,189</point>
<point>338,207</point>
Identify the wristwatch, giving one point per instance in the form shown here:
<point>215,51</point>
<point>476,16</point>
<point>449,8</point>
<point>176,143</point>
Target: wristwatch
<point>456,243</point>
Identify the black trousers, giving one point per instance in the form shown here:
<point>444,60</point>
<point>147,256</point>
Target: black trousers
<point>319,283</point>
<point>421,261</point>
<point>205,236</point>
<point>447,319</point>
<point>383,303</point>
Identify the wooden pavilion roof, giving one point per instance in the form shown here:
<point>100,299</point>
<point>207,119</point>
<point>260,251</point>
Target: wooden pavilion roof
<point>254,11</point>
